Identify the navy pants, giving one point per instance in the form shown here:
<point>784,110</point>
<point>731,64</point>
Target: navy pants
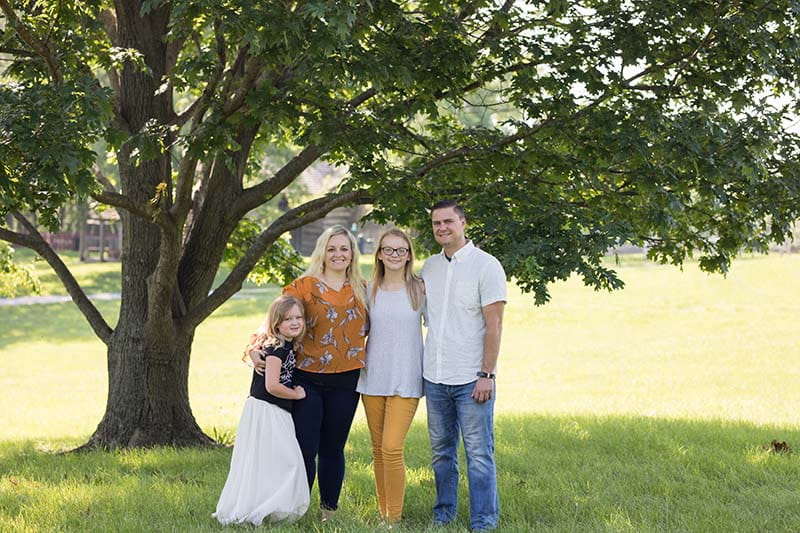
<point>322,422</point>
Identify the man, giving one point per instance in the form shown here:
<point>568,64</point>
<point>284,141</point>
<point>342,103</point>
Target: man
<point>466,293</point>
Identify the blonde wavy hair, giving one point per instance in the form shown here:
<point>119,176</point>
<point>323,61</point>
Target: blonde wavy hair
<point>268,334</point>
<point>316,265</point>
<point>414,286</point>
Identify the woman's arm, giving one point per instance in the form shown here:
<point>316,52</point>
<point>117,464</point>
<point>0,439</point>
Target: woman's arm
<point>273,384</point>
<point>257,358</point>
<point>254,352</point>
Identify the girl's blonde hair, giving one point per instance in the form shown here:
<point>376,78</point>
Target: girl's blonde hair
<point>316,264</point>
<point>268,334</point>
<point>414,286</point>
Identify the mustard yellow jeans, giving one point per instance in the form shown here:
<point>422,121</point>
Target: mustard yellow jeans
<point>389,418</point>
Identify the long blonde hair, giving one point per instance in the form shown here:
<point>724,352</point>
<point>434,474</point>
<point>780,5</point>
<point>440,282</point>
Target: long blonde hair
<point>316,265</point>
<point>268,334</point>
<point>414,286</point>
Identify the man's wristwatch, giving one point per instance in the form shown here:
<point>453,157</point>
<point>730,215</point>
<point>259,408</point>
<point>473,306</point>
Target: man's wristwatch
<point>482,374</point>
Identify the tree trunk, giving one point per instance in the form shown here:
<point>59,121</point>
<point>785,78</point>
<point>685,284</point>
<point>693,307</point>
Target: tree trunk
<point>213,221</point>
<point>148,356</point>
<point>148,395</point>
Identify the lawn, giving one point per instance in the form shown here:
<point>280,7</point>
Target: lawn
<point>647,409</point>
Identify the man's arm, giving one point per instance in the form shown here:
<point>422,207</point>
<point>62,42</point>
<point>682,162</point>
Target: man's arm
<point>493,316</point>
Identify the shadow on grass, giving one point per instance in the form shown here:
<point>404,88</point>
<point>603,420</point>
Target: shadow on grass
<point>554,474</point>
<point>60,322</point>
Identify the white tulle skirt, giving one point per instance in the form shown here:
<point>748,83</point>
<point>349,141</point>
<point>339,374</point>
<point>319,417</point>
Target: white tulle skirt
<point>267,479</point>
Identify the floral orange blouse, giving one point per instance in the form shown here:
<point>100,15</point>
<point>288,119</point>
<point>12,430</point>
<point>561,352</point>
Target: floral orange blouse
<point>336,327</point>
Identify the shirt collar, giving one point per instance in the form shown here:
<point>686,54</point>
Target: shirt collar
<point>462,252</point>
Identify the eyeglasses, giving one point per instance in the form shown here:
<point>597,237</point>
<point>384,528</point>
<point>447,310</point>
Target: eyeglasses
<point>389,251</point>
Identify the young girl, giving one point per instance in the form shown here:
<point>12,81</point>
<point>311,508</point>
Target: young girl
<point>267,479</point>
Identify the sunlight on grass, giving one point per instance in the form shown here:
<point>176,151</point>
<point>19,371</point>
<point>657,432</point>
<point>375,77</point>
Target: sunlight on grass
<point>94,276</point>
<point>632,473</point>
<point>647,409</point>
<point>671,344</point>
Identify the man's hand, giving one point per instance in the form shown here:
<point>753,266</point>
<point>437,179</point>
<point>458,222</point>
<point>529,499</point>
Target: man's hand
<point>257,357</point>
<point>482,392</point>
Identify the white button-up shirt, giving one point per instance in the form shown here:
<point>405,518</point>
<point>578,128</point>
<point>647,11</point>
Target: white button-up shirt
<point>456,292</point>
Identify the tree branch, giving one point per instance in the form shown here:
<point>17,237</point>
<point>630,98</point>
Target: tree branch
<point>16,52</point>
<point>267,189</point>
<point>34,240</point>
<point>109,20</point>
<point>465,150</point>
<point>253,69</point>
<point>262,192</point>
<point>235,69</point>
<point>678,59</point>
<point>101,177</point>
<point>183,187</point>
<point>20,239</point>
<point>361,98</point>
<point>511,139</point>
<point>36,44</point>
<point>494,29</point>
<point>199,107</point>
<point>123,202</point>
<point>292,219</point>
<point>110,196</point>
<point>518,67</point>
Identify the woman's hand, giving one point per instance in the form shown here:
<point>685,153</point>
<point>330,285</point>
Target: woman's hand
<point>301,392</point>
<point>257,357</point>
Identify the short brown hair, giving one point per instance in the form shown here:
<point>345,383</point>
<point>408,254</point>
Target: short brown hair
<point>444,204</point>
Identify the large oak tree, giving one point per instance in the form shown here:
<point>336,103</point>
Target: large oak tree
<point>564,127</point>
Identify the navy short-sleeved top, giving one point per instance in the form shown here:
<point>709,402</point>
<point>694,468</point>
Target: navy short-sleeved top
<point>285,353</point>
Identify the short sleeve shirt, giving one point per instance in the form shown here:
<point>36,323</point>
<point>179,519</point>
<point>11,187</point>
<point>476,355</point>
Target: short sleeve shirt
<point>456,292</point>
<point>335,327</point>
<point>285,353</point>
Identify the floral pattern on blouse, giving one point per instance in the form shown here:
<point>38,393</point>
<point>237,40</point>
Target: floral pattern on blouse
<point>335,327</point>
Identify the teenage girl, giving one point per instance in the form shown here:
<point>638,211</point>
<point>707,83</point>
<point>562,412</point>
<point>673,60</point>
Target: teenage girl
<point>267,478</point>
<point>391,382</point>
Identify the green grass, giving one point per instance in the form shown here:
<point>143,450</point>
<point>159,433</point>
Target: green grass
<point>647,409</point>
<point>555,474</point>
<point>94,276</point>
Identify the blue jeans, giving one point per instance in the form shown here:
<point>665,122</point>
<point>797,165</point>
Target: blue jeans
<point>451,409</point>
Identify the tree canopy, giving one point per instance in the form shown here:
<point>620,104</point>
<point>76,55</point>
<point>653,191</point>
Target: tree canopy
<point>564,128</point>
<point>652,122</point>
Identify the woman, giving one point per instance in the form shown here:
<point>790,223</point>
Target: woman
<point>391,382</point>
<point>329,359</point>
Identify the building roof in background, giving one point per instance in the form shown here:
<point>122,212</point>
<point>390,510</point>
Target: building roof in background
<point>322,177</point>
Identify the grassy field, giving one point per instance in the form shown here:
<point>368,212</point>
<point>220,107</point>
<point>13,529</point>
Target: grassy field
<point>648,409</point>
